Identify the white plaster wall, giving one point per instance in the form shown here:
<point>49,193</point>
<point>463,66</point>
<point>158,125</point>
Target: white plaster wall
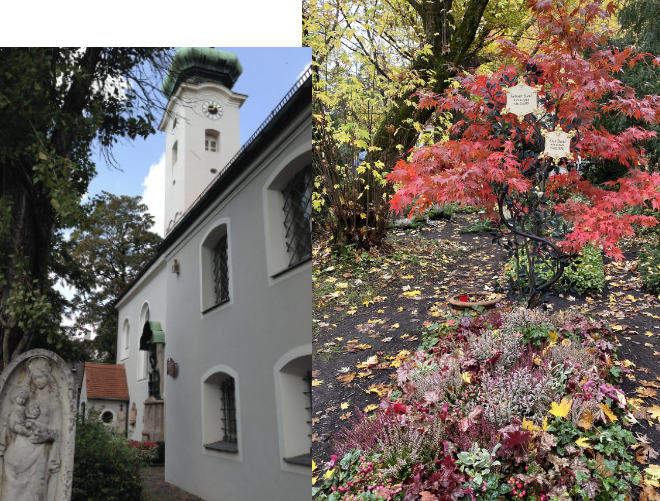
<point>151,290</point>
<point>264,319</point>
<point>183,186</point>
<point>117,407</point>
<point>83,395</point>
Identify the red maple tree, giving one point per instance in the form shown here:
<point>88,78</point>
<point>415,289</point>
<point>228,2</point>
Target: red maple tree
<point>492,158</point>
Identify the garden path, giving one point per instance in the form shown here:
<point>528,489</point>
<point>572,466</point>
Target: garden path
<point>367,310</point>
<point>156,489</point>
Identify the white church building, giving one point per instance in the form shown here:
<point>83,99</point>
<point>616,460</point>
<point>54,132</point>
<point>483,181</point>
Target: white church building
<point>215,332</point>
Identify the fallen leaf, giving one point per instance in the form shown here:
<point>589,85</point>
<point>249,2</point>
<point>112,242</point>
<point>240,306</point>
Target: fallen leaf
<point>583,442</point>
<point>652,475</point>
<point>344,406</point>
<point>370,407</point>
<point>316,382</point>
<point>645,392</point>
<point>608,412</point>
<point>654,411</point>
<point>346,378</point>
<point>562,409</point>
<point>586,420</point>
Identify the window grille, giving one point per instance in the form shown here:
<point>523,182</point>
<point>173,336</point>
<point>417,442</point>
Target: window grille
<point>221,271</point>
<point>228,411</point>
<point>308,394</point>
<point>298,216</point>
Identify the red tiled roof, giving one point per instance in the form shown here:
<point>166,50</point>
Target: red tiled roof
<point>106,381</point>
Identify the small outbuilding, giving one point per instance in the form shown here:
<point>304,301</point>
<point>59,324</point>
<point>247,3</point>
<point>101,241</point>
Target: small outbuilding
<point>105,392</point>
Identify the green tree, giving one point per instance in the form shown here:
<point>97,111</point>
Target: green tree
<point>638,28</point>
<point>109,249</point>
<point>56,103</point>
<point>369,59</point>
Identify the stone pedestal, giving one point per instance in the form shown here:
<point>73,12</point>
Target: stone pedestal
<point>154,420</point>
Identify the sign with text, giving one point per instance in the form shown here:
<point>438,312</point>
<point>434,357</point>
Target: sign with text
<point>558,144</point>
<point>521,99</point>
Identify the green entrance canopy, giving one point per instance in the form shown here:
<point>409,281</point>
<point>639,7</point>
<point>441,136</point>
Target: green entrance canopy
<point>152,333</point>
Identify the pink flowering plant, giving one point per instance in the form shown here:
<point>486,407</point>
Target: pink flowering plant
<point>510,405</point>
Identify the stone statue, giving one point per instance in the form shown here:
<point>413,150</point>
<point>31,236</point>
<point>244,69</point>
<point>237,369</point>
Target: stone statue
<point>37,428</point>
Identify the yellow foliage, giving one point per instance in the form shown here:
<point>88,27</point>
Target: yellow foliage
<point>562,409</point>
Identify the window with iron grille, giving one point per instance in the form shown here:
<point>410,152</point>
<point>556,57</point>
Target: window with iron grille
<point>224,428</point>
<point>221,271</point>
<point>297,387</point>
<point>298,216</point>
<point>228,411</point>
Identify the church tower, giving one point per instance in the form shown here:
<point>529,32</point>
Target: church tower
<point>201,123</point>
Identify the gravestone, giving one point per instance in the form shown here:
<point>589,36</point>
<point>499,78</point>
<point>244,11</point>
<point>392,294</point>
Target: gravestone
<point>37,428</point>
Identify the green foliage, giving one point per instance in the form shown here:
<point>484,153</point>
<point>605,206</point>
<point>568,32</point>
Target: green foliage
<point>110,247</point>
<point>58,104</point>
<point>649,268</point>
<point>613,468</point>
<point>480,226</point>
<point>586,275</point>
<point>478,462</point>
<point>105,467</point>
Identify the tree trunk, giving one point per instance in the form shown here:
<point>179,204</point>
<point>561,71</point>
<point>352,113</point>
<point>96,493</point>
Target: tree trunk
<point>450,49</point>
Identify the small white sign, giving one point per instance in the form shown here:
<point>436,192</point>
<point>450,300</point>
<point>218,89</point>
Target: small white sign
<point>522,99</point>
<point>558,144</point>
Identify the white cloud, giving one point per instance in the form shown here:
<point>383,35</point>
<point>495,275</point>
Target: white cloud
<point>154,195</point>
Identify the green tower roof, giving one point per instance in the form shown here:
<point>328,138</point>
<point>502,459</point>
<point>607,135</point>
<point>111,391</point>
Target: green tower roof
<point>201,64</point>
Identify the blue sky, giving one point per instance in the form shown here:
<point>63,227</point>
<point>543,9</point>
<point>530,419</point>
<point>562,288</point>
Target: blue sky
<point>268,73</point>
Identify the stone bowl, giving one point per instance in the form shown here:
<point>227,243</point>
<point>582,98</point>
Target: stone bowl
<point>483,299</point>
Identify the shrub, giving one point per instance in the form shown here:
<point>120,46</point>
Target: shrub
<point>649,268</point>
<point>587,274</point>
<point>106,468</point>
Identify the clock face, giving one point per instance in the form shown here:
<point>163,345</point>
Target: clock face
<point>212,110</point>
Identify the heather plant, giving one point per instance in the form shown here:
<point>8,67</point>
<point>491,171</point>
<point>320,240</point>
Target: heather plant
<point>443,379</point>
<point>520,318</point>
<point>504,347</point>
<point>493,411</point>
<point>572,354</point>
<point>523,392</point>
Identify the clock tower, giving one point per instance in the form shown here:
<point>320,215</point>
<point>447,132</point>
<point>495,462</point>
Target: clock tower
<point>201,123</point>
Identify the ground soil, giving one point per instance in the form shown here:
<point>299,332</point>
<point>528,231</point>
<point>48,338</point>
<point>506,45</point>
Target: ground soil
<point>395,321</point>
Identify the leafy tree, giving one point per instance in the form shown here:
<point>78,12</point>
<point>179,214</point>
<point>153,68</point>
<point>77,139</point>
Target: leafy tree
<point>494,159</point>
<point>55,103</point>
<point>110,248</point>
<point>369,57</point>
<point>640,29</point>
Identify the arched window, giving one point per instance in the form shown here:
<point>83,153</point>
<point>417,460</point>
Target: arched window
<point>125,336</point>
<point>294,386</point>
<point>288,209</point>
<point>220,412</point>
<point>297,207</point>
<point>211,140</point>
<point>215,268</point>
<point>143,356</point>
